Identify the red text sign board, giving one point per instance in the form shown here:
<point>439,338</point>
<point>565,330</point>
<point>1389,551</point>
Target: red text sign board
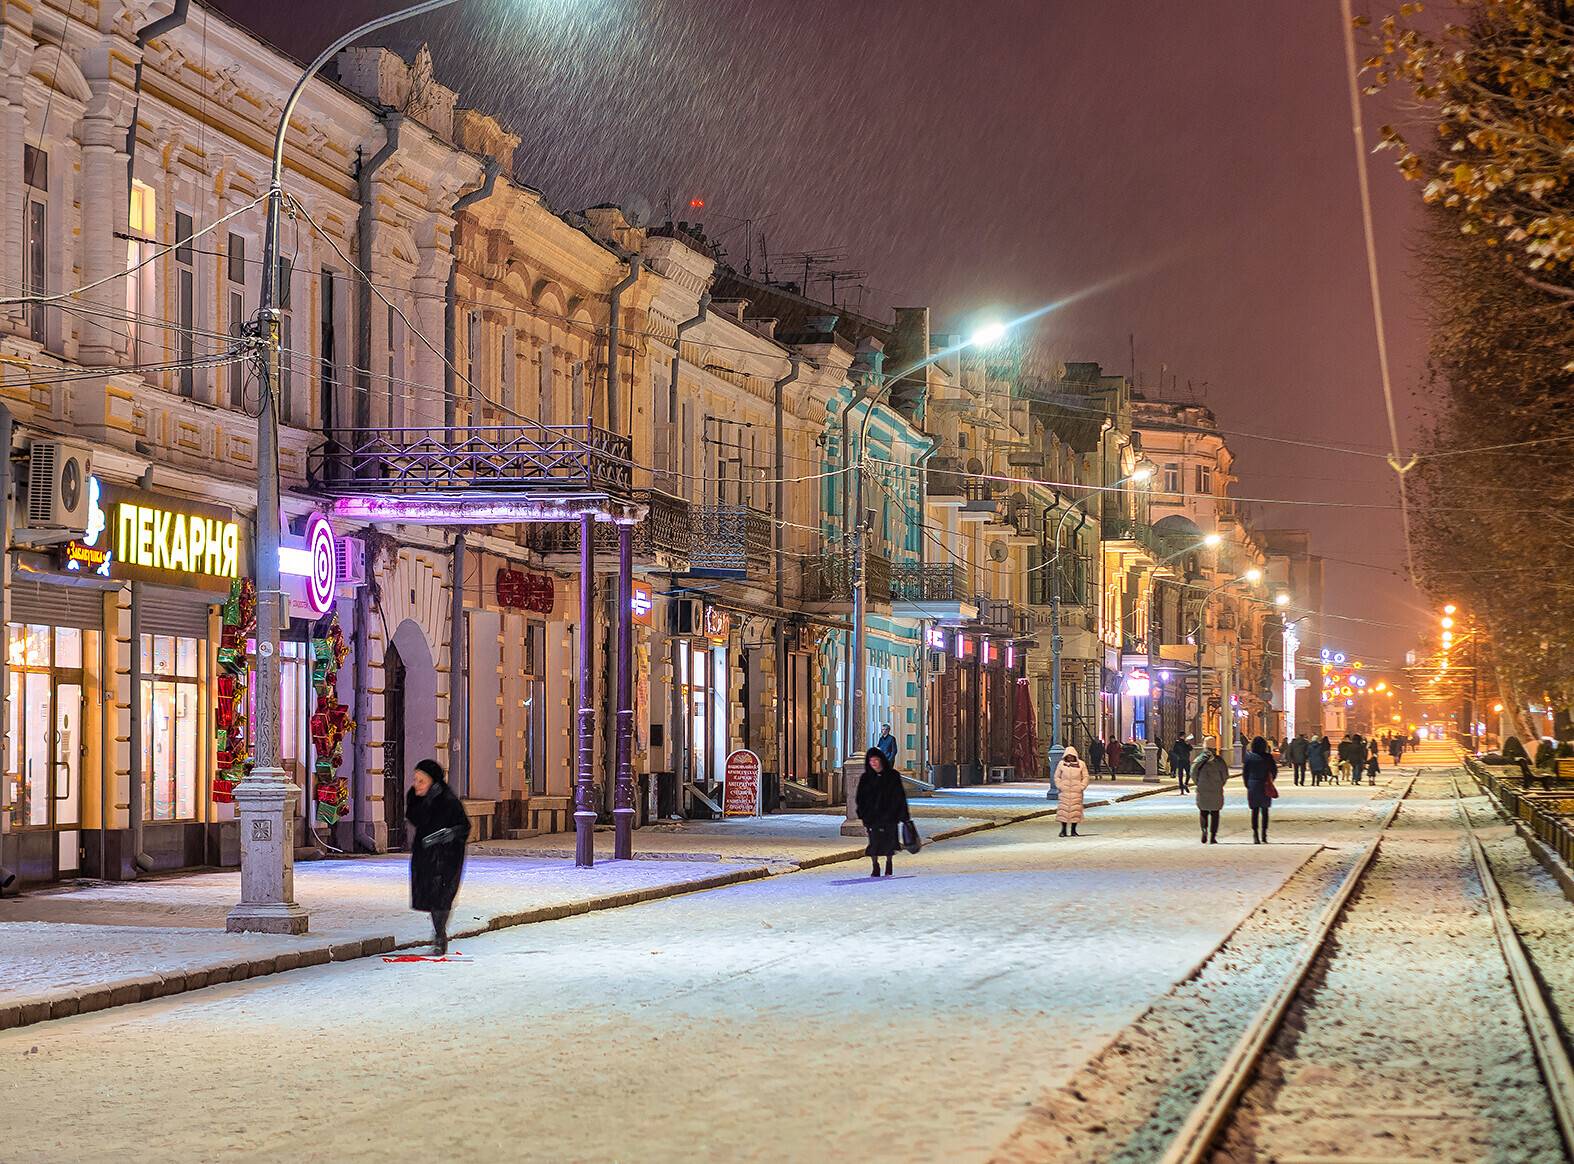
<point>741,784</point>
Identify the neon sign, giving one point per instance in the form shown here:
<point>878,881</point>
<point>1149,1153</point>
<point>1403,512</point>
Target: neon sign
<point>137,536</point>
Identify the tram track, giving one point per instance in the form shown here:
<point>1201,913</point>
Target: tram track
<point>1247,1109</point>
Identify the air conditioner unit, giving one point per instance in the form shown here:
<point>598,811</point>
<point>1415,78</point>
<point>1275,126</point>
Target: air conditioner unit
<point>57,499</point>
<point>350,555</point>
<point>937,663</point>
<point>687,616</point>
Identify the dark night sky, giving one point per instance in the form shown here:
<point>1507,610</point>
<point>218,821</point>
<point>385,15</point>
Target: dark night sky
<point>1191,161</point>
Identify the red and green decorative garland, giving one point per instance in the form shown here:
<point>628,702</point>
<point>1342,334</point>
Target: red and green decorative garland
<point>330,724</point>
<point>230,718</point>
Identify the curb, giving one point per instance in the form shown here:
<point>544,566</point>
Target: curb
<point>149,987</point>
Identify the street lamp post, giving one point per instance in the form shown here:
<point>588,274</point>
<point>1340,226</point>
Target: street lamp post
<point>265,800</point>
<point>1057,747</point>
<point>1226,735</point>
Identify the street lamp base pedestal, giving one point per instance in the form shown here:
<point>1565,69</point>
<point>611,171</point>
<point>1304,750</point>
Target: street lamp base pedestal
<point>852,772</point>
<point>265,804</point>
<point>1150,764</point>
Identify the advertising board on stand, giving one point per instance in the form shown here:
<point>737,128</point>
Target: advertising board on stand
<point>741,784</point>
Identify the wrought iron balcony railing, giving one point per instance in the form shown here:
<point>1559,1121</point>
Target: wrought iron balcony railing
<point>666,534</point>
<point>532,459</point>
<point>931,582</point>
<point>731,541</point>
<point>829,578</point>
<point>1123,529</point>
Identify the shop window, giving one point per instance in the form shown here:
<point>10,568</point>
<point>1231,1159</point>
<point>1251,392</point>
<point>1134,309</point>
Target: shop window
<point>171,720</point>
<point>44,723</point>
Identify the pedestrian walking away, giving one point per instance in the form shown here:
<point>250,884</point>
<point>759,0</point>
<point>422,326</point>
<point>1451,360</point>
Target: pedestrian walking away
<point>1298,752</point>
<point>1071,777</point>
<point>1319,752</point>
<point>881,804</point>
<point>887,744</point>
<point>1396,748</point>
<point>1371,766</point>
<point>1180,763</point>
<point>1096,755</point>
<point>1209,774</point>
<point>1258,774</point>
<point>437,846</point>
<point>1113,754</point>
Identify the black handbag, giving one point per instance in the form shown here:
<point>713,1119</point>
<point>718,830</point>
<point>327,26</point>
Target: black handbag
<point>911,841</point>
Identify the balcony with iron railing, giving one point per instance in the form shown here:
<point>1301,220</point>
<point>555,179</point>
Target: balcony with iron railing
<point>532,460</point>
<point>828,578</point>
<point>731,541</point>
<point>931,582</point>
<point>1001,616</point>
<point>1137,534</point>
<point>663,537</point>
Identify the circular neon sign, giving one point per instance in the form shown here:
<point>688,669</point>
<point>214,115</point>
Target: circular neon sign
<point>324,564</point>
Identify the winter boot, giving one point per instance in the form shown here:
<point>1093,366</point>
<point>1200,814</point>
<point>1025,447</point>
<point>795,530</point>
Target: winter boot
<point>440,932</point>
<point>1062,828</point>
<point>875,862</point>
<point>888,866</point>
<point>1073,830</point>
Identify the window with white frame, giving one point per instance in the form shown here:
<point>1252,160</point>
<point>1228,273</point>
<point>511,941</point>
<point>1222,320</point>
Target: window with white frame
<point>141,309</point>
<point>235,276</point>
<point>35,235</point>
<point>1172,478</point>
<point>1204,480</point>
<point>185,305</point>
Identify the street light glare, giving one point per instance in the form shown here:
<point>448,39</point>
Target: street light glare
<point>1450,608</point>
<point>989,334</point>
<point>1142,473</point>
<point>1254,575</point>
<point>1281,599</point>
<point>1212,541</point>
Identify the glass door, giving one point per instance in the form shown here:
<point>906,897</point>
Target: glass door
<point>44,733</point>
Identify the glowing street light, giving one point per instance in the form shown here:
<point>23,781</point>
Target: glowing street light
<point>987,335</point>
<point>1450,608</point>
<point>1447,622</point>
<point>1253,575</point>
<point>1281,599</point>
<point>1212,541</point>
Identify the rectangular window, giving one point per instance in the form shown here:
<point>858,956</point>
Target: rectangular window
<point>1172,478</point>
<point>238,368</point>
<point>508,355</point>
<point>547,411</point>
<point>396,392</point>
<point>471,391</point>
<point>235,256</point>
<point>286,403</point>
<point>170,699</point>
<point>1204,480</point>
<point>35,245</point>
<point>327,350</point>
<point>141,269</point>
<point>186,304</point>
<point>44,724</point>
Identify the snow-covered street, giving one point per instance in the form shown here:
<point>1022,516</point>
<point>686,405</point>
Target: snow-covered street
<point>816,1013</point>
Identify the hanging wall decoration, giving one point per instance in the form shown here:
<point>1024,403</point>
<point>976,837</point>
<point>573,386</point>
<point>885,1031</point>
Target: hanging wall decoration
<point>330,724</point>
<point>230,714</point>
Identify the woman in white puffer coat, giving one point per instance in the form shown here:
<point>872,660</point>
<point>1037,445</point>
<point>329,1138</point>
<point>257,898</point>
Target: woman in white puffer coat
<point>1071,778</point>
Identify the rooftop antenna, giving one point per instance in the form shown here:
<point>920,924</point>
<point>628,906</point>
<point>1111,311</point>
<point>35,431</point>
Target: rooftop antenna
<point>765,259</point>
<point>842,273</point>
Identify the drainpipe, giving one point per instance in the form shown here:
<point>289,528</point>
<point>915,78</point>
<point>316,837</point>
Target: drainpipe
<point>779,394</point>
<point>672,388</point>
<point>146,36</point>
<point>139,857</point>
<point>366,216</point>
<point>361,835</point>
<point>458,677</point>
<point>7,429</point>
<point>922,767</point>
<point>451,307</point>
<point>614,391</point>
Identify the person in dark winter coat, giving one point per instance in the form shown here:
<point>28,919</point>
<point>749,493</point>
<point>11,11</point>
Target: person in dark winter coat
<point>1180,763</point>
<point>1096,756</point>
<point>440,829</point>
<point>1298,751</point>
<point>1209,773</point>
<point>1318,755</point>
<point>1371,766</point>
<point>1396,748</point>
<point>1258,773</point>
<point>881,803</point>
<point>1113,753</point>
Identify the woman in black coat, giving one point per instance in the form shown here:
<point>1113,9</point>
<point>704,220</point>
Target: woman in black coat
<point>1258,772</point>
<point>437,848</point>
<point>881,803</point>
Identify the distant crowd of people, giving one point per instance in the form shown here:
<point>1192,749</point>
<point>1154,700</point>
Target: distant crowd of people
<point>1203,772</point>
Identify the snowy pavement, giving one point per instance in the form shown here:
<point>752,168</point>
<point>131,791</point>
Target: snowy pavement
<point>791,1018</point>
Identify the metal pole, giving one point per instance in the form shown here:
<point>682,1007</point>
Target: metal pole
<point>1057,747</point>
<point>1196,727</point>
<point>266,808</point>
<point>584,775</point>
<point>853,768</point>
<point>458,676</point>
<point>623,794</point>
